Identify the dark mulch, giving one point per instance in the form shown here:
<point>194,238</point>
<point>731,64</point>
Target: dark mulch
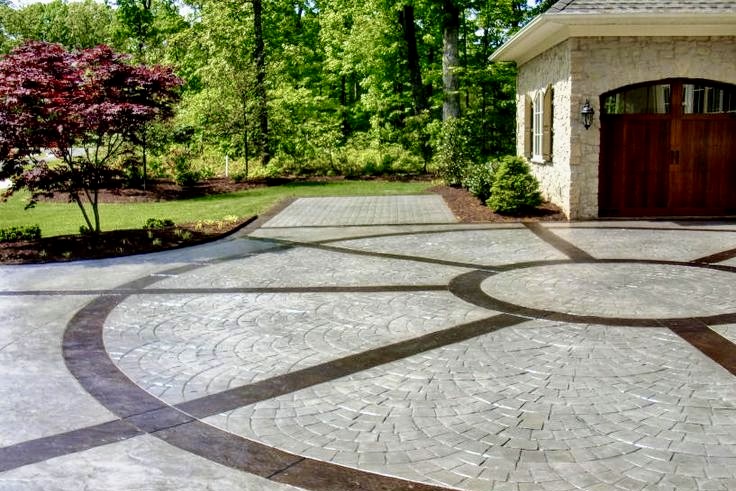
<point>113,243</point>
<point>469,209</point>
<point>167,190</point>
<point>127,242</point>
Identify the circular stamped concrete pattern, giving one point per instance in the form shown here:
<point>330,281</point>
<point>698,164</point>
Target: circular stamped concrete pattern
<point>617,290</point>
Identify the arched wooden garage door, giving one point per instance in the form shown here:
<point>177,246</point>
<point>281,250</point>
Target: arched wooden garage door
<point>668,149</point>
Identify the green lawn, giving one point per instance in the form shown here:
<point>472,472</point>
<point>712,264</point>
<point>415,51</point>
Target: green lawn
<point>63,218</point>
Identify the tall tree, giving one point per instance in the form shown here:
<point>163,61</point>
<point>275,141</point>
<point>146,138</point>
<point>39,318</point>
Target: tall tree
<point>259,57</point>
<point>146,27</point>
<point>136,23</point>
<point>450,59</point>
<point>409,30</point>
<point>143,28</point>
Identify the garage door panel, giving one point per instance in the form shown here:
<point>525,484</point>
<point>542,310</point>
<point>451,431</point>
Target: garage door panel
<point>678,160</point>
<point>646,175</point>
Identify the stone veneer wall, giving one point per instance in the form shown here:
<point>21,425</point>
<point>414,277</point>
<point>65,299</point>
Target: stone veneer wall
<point>585,68</point>
<point>551,68</point>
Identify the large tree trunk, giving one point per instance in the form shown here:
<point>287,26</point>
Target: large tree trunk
<point>244,102</point>
<point>450,60</point>
<point>406,18</point>
<point>259,57</point>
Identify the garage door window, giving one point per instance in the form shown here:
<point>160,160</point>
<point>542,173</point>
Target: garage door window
<point>704,99</point>
<point>651,99</point>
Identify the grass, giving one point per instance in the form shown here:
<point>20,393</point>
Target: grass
<point>65,218</point>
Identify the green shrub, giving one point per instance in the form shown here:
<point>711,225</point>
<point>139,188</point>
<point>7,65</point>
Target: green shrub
<point>283,165</point>
<point>381,160</point>
<point>184,172</point>
<point>187,177</point>
<point>478,180</point>
<point>350,161</point>
<point>157,223</point>
<point>514,187</point>
<point>454,154</point>
<point>12,234</point>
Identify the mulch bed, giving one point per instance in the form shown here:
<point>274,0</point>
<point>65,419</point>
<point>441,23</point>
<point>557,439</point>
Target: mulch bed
<point>116,243</point>
<point>113,243</point>
<point>469,209</point>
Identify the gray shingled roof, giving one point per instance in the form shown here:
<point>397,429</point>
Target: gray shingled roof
<point>633,6</point>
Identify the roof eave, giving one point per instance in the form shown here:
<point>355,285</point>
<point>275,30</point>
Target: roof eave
<point>549,30</point>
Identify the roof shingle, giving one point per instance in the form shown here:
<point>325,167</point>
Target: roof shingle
<point>633,6</point>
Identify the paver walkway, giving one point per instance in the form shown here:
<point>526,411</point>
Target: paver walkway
<point>379,345</point>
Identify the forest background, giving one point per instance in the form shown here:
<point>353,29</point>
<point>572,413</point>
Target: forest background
<point>305,87</point>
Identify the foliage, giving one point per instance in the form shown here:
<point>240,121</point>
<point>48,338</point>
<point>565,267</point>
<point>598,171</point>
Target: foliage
<point>340,78</point>
<point>514,187</point>
<point>26,232</point>
<point>455,152</point>
<point>75,25</point>
<point>385,160</point>
<point>182,168</point>
<point>350,161</point>
<point>478,179</point>
<point>85,106</point>
<point>144,26</point>
<point>158,223</point>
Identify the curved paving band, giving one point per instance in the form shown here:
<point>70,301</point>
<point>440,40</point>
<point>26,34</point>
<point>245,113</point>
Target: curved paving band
<point>194,423</point>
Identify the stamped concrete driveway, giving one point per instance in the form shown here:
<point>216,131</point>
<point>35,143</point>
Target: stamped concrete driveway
<point>375,344</point>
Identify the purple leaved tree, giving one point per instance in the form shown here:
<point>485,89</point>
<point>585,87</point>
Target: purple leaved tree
<point>82,106</point>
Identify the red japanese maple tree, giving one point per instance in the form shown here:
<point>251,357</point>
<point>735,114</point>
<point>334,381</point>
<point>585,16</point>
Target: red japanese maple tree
<point>82,106</point>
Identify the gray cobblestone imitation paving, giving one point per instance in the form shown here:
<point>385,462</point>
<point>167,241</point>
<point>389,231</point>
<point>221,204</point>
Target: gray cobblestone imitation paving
<point>35,387</point>
<point>482,247</point>
<point>109,273</point>
<point>365,210</point>
<point>301,267</point>
<point>633,243</point>
<point>330,356</point>
<point>145,463</point>
<point>547,404</point>
<point>631,290</point>
<point>329,234</point>
<point>180,347</point>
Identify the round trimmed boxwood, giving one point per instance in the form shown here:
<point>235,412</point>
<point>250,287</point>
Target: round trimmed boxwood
<point>514,187</point>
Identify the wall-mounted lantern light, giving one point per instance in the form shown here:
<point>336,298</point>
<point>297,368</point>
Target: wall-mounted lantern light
<point>587,113</point>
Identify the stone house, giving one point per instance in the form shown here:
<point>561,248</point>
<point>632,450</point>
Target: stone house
<point>660,79</point>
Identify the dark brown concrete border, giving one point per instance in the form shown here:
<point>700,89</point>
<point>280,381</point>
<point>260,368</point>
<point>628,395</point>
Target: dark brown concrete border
<point>468,288</point>
<point>342,367</point>
<point>717,257</point>
<point>45,448</point>
<point>381,255</point>
<point>709,342</point>
<point>570,250</point>
<point>88,360</point>
<point>142,413</point>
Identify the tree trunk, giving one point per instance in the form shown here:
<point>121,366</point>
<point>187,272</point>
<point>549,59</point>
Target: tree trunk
<point>344,106</point>
<point>96,211</point>
<point>144,148</point>
<point>406,18</point>
<point>450,60</point>
<point>244,102</point>
<point>259,56</point>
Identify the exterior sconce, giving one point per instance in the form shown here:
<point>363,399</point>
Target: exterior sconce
<point>587,113</point>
